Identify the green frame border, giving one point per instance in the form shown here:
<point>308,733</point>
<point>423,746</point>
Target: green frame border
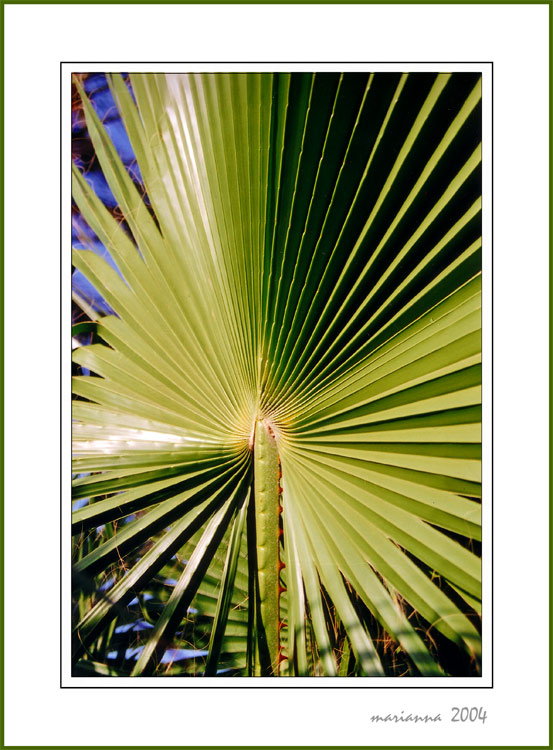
<point>550,338</point>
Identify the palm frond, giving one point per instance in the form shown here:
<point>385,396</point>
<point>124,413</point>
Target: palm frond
<point>303,253</point>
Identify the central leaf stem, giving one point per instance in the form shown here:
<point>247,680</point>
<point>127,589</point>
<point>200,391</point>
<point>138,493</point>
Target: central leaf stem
<point>266,491</point>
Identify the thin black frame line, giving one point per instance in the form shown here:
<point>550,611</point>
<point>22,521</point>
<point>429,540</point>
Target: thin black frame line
<point>282,687</point>
<point>61,378</point>
<point>492,368</point>
<point>277,62</point>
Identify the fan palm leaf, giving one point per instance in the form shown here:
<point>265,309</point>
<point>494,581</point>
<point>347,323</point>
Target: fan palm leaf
<point>296,289</point>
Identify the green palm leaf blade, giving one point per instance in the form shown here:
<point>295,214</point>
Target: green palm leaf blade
<point>331,579</point>
<point>224,600</point>
<point>342,292</point>
<point>372,591</point>
<point>187,586</point>
<point>296,642</point>
<point>376,547</point>
<point>154,559</point>
<point>304,253</point>
<point>205,619</point>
